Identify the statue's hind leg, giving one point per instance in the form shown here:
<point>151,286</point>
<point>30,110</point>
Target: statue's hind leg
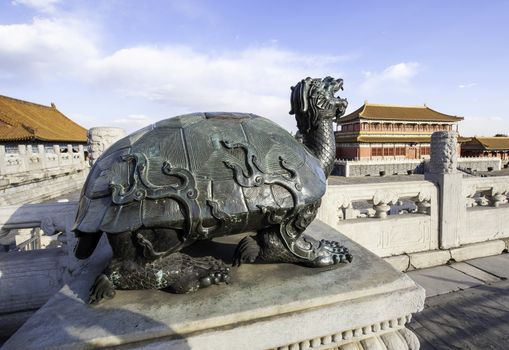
<point>177,272</point>
<point>130,268</point>
<point>285,242</point>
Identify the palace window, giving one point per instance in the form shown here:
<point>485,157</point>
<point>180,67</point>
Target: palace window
<point>400,151</point>
<point>388,151</point>
<point>376,151</point>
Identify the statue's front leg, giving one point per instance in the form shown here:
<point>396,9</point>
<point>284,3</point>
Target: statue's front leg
<point>324,253</point>
<point>285,242</point>
<point>317,253</point>
<point>268,246</point>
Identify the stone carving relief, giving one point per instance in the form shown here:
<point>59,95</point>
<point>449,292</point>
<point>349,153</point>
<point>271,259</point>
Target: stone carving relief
<point>469,194</point>
<point>385,335</point>
<point>423,202</point>
<point>444,158</point>
<point>382,201</point>
<point>495,196</point>
<point>99,139</point>
<point>499,194</point>
<point>344,206</point>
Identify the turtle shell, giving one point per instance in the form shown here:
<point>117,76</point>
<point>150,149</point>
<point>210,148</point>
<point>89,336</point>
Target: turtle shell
<point>205,173</point>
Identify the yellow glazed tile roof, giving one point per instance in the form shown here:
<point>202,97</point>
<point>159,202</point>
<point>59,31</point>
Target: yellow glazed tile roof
<point>489,143</point>
<point>22,120</point>
<point>403,113</point>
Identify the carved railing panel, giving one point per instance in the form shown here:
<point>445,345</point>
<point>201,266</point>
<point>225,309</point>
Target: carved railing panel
<point>485,192</point>
<point>29,159</point>
<point>379,201</point>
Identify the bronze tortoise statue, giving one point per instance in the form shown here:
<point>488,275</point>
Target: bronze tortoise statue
<point>205,175</point>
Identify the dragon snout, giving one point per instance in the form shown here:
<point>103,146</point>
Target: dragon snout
<point>339,84</point>
<point>341,108</point>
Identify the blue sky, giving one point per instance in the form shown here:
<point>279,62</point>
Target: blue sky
<point>129,63</point>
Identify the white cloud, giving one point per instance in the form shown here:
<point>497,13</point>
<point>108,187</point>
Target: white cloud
<point>391,77</point>
<point>45,47</point>
<point>134,120</point>
<point>469,85</point>
<point>47,6</point>
<point>256,79</point>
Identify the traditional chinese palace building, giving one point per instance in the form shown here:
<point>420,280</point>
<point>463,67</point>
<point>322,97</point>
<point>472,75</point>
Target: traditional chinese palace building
<point>32,124</point>
<point>479,146</point>
<point>377,131</point>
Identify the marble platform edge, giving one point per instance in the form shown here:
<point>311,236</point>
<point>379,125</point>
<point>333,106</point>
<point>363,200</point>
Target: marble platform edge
<point>267,313</point>
<point>200,328</point>
<point>196,329</point>
<point>332,333</point>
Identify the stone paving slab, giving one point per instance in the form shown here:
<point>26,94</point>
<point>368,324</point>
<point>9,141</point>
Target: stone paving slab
<point>496,265</point>
<point>475,318</point>
<point>478,250</point>
<point>475,272</point>
<point>442,279</point>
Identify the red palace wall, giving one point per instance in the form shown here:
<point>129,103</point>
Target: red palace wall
<point>401,151</point>
<point>482,153</point>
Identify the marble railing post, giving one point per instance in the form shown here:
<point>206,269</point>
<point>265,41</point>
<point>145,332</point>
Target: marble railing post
<point>81,154</point>
<point>443,172</point>
<point>99,139</point>
<point>22,151</point>
<point>56,150</point>
<point>2,159</point>
<point>42,156</point>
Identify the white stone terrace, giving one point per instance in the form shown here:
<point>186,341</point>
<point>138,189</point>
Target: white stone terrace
<point>412,221</point>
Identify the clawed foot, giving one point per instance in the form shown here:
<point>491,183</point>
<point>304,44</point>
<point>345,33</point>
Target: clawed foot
<point>102,288</point>
<point>202,272</point>
<point>218,273</point>
<point>247,251</point>
<point>331,253</point>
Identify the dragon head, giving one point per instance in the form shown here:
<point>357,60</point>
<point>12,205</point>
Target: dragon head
<point>313,100</point>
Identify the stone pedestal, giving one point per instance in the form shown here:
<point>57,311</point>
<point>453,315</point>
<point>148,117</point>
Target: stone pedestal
<point>363,305</point>
<point>100,138</point>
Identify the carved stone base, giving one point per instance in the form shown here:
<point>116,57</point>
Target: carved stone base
<point>394,336</point>
<point>362,305</point>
